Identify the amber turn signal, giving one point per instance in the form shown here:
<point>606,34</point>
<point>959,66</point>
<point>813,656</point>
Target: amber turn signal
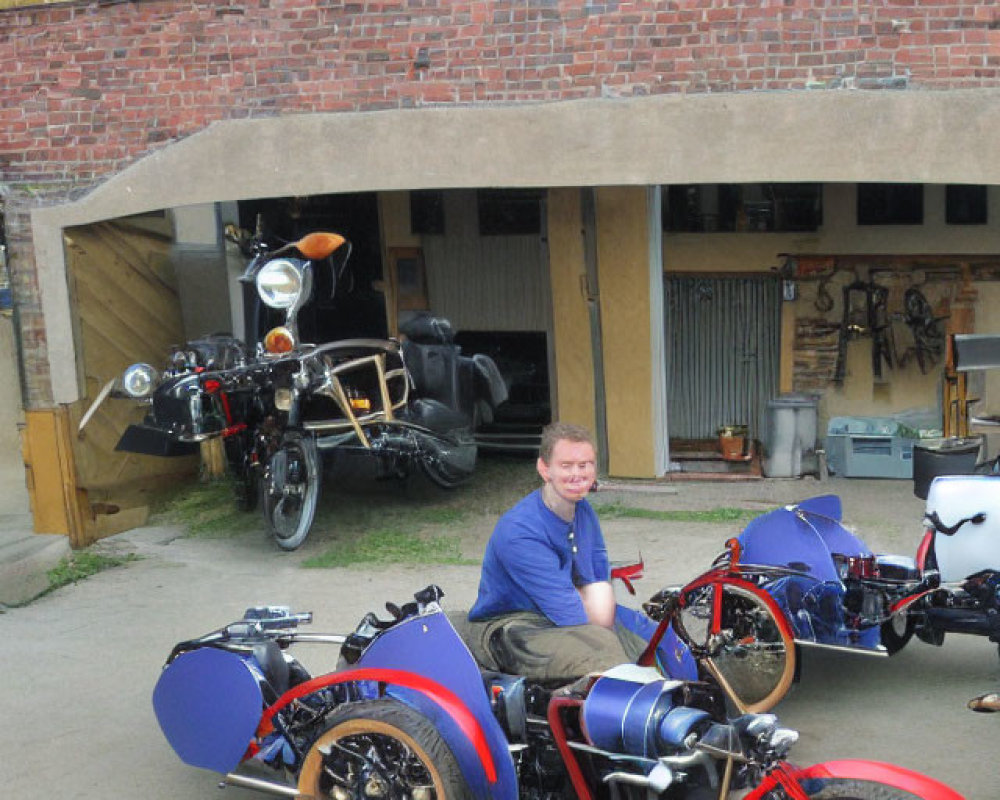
<point>279,340</point>
<point>316,246</point>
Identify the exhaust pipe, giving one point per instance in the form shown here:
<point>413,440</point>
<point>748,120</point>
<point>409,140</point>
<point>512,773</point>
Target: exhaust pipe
<point>259,785</point>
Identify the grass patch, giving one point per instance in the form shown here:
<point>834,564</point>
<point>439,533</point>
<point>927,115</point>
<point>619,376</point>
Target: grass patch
<point>205,510</point>
<point>82,565</point>
<point>620,511</point>
<point>390,546</point>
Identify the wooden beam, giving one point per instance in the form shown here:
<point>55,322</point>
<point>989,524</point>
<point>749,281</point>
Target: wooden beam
<point>58,505</point>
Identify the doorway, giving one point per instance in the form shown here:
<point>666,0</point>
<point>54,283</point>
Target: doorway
<point>722,355</point>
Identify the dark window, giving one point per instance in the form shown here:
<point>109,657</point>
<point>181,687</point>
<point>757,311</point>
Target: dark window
<point>427,212</point>
<point>749,207</point>
<point>509,212</point>
<point>965,204</point>
<point>890,204</point>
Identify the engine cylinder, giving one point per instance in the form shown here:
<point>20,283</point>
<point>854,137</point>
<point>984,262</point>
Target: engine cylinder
<point>632,710</point>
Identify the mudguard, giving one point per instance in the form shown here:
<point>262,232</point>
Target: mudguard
<point>208,703</point>
<point>423,663</point>
<point>429,646</point>
<point>876,772</point>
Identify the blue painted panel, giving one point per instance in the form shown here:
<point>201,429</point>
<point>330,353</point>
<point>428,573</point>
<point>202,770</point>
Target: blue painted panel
<point>208,704</point>
<point>780,538</point>
<point>428,645</point>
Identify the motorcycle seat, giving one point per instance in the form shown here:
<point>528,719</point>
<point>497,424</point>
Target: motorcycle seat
<point>422,327</point>
<point>273,665</point>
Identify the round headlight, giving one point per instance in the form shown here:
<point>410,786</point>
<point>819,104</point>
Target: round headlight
<point>279,283</point>
<point>139,380</point>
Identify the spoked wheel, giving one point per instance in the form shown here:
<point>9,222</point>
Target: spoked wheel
<point>849,789</point>
<point>291,490</point>
<point>742,638</point>
<point>384,750</point>
<point>896,632</point>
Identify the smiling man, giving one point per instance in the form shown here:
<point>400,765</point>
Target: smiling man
<point>546,608</point>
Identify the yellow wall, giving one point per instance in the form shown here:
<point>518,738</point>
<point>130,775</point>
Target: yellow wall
<point>574,362</point>
<point>623,273</point>
<point>903,387</point>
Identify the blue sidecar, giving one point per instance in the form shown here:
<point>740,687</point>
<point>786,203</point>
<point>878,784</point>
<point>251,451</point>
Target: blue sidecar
<point>833,589</point>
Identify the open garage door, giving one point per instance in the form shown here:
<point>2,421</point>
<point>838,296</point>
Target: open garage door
<point>125,302</point>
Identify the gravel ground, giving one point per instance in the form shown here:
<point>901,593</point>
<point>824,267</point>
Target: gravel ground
<point>79,664</point>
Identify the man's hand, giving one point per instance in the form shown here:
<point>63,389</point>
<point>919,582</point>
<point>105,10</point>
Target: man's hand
<point>599,603</point>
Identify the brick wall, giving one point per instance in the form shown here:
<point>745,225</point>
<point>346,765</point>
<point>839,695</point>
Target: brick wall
<point>89,87</point>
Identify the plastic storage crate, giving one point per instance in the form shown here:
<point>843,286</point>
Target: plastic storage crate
<point>869,447</point>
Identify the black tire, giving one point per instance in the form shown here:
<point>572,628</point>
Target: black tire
<point>896,632</point>
<point>380,749</point>
<point>850,789</point>
<point>448,472</point>
<point>246,480</point>
<point>440,474</point>
<point>247,489</point>
<point>291,488</point>
<point>752,653</point>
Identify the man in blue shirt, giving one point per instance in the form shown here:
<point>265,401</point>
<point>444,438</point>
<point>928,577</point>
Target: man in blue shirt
<point>546,608</point>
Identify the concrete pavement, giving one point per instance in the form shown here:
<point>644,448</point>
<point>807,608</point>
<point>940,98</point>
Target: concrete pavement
<point>25,557</point>
<point>79,664</point>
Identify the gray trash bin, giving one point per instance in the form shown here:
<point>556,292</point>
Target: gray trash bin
<point>790,441</point>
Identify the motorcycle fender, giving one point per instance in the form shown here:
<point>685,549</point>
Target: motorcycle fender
<point>469,761</point>
<point>877,772</point>
<point>208,703</point>
<point>478,757</point>
<point>151,441</point>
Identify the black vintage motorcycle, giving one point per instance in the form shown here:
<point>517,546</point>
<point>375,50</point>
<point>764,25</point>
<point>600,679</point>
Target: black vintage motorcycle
<point>281,404</point>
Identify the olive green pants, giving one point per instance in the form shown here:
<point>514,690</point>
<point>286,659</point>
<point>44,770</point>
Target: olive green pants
<point>529,644</point>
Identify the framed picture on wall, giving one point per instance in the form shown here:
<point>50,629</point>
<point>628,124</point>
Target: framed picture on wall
<point>409,278</point>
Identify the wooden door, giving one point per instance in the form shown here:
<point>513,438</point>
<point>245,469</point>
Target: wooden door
<point>126,309</point>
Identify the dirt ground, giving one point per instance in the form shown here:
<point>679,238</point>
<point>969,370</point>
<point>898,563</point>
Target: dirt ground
<point>79,664</point>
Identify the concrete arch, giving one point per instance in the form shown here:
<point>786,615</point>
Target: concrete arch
<point>823,136</point>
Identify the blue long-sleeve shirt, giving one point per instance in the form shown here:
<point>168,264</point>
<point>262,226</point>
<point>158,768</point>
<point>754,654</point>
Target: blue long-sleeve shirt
<point>529,564</point>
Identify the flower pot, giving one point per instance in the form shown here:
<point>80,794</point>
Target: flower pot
<point>734,443</point>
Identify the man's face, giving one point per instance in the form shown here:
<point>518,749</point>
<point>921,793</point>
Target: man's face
<point>571,470</point>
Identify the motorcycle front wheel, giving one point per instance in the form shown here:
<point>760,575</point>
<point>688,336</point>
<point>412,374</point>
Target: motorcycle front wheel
<point>291,487</point>
<point>380,749</point>
<point>735,631</point>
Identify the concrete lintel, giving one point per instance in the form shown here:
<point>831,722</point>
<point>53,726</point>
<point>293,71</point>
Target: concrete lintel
<point>822,135</point>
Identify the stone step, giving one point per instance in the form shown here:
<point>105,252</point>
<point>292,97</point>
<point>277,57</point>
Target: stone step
<point>25,559</point>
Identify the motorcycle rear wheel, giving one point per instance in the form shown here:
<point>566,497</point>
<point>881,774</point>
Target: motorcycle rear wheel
<point>380,749</point>
<point>850,789</point>
<point>440,471</point>
<point>291,488</point>
<point>737,634</point>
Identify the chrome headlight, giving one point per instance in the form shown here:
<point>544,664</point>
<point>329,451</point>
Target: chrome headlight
<point>139,380</point>
<point>279,283</point>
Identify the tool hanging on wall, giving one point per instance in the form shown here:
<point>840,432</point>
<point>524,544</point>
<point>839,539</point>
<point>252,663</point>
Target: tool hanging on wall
<point>928,334</point>
<point>865,315</point>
